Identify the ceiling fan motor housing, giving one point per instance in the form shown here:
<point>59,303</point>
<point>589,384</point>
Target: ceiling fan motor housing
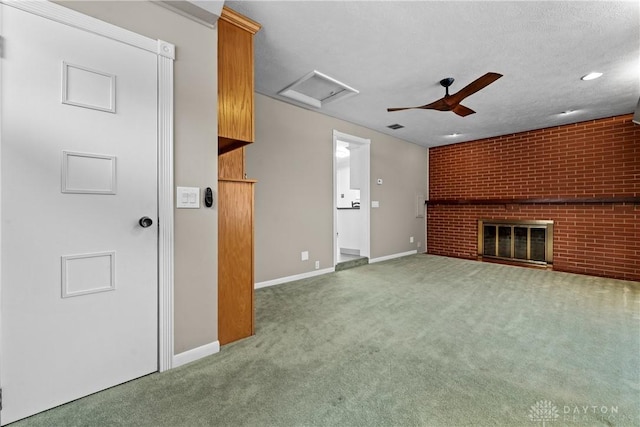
<point>447,82</point>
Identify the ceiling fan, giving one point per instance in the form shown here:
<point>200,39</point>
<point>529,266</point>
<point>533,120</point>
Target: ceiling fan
<point>452,102</point>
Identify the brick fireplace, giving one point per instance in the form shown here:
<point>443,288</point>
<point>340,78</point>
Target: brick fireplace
<point>583,177</point>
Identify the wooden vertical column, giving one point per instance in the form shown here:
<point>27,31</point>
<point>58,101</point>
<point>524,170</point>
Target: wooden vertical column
<point>235,193</point>
<point>235,260</point>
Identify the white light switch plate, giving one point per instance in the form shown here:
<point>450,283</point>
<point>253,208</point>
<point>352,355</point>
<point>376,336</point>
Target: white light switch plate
<point>188,197</point>
<point>375,204</point>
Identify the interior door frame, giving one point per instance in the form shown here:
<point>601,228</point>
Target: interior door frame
<point>365,191</point>
<point>166,55</point>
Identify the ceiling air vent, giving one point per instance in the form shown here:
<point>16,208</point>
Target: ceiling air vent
<point>317,89</point>
<point>395,126</point>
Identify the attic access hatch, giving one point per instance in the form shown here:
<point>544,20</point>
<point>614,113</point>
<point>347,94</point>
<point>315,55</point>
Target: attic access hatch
<point>317,89</point>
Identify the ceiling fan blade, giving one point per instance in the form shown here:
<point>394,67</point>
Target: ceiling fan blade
<point>463,111</point>
<point>473,87</point>
<point>400,109</point>
<point>440,105</point>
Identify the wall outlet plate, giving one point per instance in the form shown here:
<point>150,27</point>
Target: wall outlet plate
<point>304,255</point>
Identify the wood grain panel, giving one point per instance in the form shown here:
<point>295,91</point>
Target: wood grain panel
<point>239,20</point>
<point>235,84</point>
<point>235,258</point>
<point>231,164</point>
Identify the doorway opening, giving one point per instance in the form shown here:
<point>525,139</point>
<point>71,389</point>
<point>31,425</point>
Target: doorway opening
<point>351,199</point>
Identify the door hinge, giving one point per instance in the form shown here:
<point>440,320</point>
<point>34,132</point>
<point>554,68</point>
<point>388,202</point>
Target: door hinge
<point>0,399</point>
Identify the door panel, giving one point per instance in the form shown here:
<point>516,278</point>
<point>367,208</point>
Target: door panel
<point>79,168</point>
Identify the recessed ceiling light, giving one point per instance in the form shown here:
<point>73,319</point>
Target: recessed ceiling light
<point>453,135</point>
<point>591,76</point>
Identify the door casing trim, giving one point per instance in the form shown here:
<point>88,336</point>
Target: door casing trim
<point>365,195</point>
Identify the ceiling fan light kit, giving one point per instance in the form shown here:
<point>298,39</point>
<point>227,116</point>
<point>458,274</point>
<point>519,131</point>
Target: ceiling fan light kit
<point>452,102</point>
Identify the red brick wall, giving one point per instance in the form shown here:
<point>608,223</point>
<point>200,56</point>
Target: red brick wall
<point>599,158</point>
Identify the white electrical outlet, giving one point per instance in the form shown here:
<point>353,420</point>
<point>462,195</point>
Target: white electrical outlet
<point>317,265</point>
<point>304,255</point>
<point>411,239</point>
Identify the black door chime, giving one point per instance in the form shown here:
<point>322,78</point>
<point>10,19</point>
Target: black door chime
<point>208,197</point>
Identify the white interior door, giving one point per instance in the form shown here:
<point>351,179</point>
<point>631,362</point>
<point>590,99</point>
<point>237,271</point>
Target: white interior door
<point>79,169</point>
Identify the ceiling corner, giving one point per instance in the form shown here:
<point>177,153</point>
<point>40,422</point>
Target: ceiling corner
<point>205,12</point>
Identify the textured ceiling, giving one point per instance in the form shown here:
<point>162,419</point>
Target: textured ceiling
<point>395,54</point>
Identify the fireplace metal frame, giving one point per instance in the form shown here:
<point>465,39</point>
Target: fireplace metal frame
<point>544,224</point>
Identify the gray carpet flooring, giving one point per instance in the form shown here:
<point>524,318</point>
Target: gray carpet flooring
<point>416,341</point>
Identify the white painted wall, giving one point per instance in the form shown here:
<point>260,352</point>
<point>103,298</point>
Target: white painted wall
<point>293,155</point>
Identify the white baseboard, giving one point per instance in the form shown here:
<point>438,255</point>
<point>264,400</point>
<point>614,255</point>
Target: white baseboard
<point>195,354</point>
<point>388,257</point>
<point>281,280</point>
<point>294,277</point>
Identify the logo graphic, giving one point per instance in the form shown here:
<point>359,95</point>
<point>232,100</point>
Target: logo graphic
<point>543,411</point>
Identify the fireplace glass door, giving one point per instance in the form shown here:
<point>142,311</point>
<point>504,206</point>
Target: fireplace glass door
<point>525,241</point>
<point>504,241</point>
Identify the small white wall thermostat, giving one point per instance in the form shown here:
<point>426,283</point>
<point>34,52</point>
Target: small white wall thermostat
<point>188,197</point>
<point>379,181</point>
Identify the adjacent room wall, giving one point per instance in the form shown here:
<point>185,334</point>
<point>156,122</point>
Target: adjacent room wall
<point>595,159</point>
<point>196,156</point>
<point>292,159</point>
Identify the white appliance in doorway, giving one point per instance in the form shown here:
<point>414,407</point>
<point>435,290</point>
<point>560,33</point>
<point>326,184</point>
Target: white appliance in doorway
<point>80,201</point>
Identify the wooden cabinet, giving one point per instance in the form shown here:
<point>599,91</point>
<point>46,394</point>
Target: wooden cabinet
<point>235,80</point>
<point>235,260</point>
<point>235,193</point>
